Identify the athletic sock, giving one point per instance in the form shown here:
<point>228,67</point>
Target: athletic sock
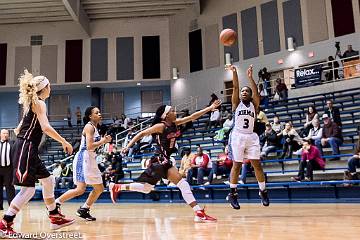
<point>51,207</point>
<point>196,208</point>
<point>86,206</point>
<point>262,186</point>
<point>58,201</point>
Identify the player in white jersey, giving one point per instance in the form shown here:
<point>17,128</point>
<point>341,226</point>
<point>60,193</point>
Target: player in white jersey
<point>86,171</point>
<point>243,142</point>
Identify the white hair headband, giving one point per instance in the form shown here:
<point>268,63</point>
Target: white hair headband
<point>166,111</point>
<point>43,82</point>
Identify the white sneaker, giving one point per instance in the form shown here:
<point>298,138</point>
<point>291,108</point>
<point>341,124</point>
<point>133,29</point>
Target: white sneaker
<point>227,182</point>
<point>241,182</point>
<point>207,183</point>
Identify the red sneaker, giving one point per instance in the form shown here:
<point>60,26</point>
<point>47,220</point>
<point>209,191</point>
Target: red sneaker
<point>115,189</point>
<point>200,216</point>
<point>58,221</point>
<point>6,229</point>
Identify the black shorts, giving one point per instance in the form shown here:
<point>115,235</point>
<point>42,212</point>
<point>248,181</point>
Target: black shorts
<point>28,167</point>
<point>157,170</point>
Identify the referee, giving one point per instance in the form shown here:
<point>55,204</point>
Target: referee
<point>6,170</point>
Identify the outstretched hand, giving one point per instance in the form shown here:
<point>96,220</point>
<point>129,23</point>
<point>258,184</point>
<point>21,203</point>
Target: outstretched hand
<point>215,104</point>
<point>250,71</point>
<point>231,67</point>
<point>124,150</point>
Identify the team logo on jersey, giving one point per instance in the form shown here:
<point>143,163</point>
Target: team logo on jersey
<point>246,112</point>
<point>173,134</point>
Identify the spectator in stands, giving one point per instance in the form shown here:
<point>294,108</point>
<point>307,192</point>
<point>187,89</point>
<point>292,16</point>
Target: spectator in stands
<point>265,76</point>
<point>222,133</point>
<point>264,96</point>
<point>292,141</point>
<point>268,140</point>
<point>261,120</point>
<point>350,52</point>
<point>128,137</point>
<point>199,167</point>
<point>315,132</point>
<point>126,121</point>
<point>331,136</point>
<point>333,112</point>
<point>311,160</point>
<point>213,98</point>
<point>215,119</point>
<point>333,67</point>
<point>116,171</point>
<point>224,114</point>
<point>68,116</point>
<point>221,166</point>
<point>185,164</point>
<point>276,125</point>
<point>353,163</point>
<point>187,125</point>
<point>57,173</point>
<point>78,116</point>
<point>281,89</point>
<point>311,115</point>
<point>66,175</point>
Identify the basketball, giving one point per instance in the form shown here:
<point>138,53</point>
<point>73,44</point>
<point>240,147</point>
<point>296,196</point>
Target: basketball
<point>228,37</point>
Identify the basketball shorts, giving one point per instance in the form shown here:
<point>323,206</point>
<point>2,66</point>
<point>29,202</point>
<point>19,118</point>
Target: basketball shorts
<point>157,169</point>
<point>86,168</point>
<point>28,167</point>
<point>244,146</point>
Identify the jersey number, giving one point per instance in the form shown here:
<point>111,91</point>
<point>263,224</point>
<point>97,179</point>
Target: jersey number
<point>246,123</point>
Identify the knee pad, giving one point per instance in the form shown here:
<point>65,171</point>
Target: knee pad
<point>24,196</point>
<point>148,187</point>
<point>48,186</point>
<point>186,191</point>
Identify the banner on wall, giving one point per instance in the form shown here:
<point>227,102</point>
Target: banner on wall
<point>308,76</point>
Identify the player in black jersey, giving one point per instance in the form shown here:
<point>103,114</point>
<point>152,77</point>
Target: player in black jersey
<point>27,165</point>
<point>165,131</point>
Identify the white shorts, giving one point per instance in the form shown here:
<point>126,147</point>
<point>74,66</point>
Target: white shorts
<point>244,146</point>
<point>86,169</point>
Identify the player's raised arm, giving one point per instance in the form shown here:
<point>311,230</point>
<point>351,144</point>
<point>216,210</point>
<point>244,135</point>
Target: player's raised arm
<point>253,86</point>
<point>235,99</point>
<point>198,114</point>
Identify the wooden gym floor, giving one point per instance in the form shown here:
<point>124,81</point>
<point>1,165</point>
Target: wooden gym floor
<point>175,221</point>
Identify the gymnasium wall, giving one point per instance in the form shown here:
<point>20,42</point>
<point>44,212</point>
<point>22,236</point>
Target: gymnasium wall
<point>81,97</point>
<point>102,61</point>
<point>310,22</point>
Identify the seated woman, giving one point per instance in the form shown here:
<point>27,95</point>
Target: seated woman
<point>311,160</point>
<point>221,166</point>
<point>221,134</point>
<point>185,164</point>
<point>292,141</point>
<point>311,116</point>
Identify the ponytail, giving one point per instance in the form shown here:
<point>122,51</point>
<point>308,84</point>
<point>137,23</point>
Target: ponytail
<point>27,89</point>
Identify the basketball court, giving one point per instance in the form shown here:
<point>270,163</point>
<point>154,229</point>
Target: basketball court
<point>175,221</point>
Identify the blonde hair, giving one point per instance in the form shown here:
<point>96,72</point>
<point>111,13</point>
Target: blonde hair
<point>28,89</point>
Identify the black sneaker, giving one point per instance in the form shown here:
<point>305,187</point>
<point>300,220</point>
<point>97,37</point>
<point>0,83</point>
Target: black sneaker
<point>232,198</point>
<point>264,197</point>
<point>85,214</point>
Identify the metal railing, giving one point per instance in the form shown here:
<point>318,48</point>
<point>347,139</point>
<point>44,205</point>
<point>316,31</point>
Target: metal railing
<point>327,67</point>
<point>119,140</point>
<point>191,105</point>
